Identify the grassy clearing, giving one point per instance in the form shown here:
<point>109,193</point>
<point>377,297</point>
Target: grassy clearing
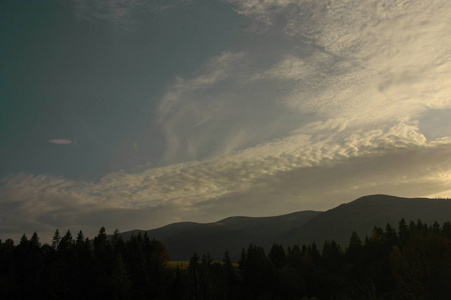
<point>183,265</point>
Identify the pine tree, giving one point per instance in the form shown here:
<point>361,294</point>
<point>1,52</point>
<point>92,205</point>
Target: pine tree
<point>446,229</point>
<point>56,240</point>
<point>403,231</point>
<point>67,242</point>
<point>355,244</point>
<point>34,241</point>
<point>390,233</point>
<point>194,277</point>
<point>277,256</point>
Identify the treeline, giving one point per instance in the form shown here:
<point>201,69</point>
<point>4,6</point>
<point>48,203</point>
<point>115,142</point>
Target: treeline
<point>412,261</point>
<point>77,268</point>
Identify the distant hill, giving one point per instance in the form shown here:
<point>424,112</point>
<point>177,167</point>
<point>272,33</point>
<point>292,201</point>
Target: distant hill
<point>366,212</point>
<point>234,233</point>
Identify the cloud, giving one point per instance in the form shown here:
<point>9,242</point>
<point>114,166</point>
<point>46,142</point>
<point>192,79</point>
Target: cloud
<point>340,111</point>
<point>122,12</point>
<point>298,172</point>
<point>60,141</point>
<point>384,60</point>
<point>291,67</point>
<point>357,64</point>
<point>219,111</point>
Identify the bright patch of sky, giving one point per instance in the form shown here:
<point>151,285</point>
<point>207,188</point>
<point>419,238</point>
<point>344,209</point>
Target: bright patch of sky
<point>199,110</point>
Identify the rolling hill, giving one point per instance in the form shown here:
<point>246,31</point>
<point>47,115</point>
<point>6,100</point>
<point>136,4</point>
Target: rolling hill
<point>366,212</point>
<point>234,233</point>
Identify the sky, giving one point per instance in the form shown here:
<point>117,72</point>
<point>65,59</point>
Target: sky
<point>133,114</point>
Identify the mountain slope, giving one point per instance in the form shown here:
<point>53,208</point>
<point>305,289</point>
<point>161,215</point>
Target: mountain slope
<point>234,233</point>
<point>366,212</point>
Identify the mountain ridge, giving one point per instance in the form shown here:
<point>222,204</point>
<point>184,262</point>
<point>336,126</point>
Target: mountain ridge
<point>182,239</point>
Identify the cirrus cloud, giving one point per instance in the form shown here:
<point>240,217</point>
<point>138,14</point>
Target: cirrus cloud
<point>343,109</point>
<point>60,141</point>
<point>273,178</point>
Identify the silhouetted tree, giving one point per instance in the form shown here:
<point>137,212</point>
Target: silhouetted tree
<point>403,231</point>
<point>259,274</point>
<point>56,239</point>
<point>277,256</point>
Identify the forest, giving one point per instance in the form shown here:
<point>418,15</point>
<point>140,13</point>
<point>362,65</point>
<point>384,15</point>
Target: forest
<point>410,261</point>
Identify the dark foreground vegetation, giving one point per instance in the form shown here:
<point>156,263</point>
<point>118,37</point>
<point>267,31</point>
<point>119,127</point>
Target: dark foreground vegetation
<point>410,262</point>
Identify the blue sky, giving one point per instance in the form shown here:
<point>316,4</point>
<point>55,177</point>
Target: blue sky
<point>199,110</point>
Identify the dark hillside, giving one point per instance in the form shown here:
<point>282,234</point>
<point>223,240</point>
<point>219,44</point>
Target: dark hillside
<point>167,230</point>
<point>366,212</point>
<point>305,227</point>
<point>234,233</point>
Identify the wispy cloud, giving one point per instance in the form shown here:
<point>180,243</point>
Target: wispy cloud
<point>338,113</point>
<point>372,55</point>
<point>122,12</point>
<point>358,72</point>
<point>60,141</point>
<point>289,172</point>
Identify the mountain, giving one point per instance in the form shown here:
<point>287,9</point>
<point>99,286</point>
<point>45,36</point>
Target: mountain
<point>366,212</point>
<point>234,233</point>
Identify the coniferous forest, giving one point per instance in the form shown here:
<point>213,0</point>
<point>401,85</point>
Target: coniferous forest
<point>408,261</point>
